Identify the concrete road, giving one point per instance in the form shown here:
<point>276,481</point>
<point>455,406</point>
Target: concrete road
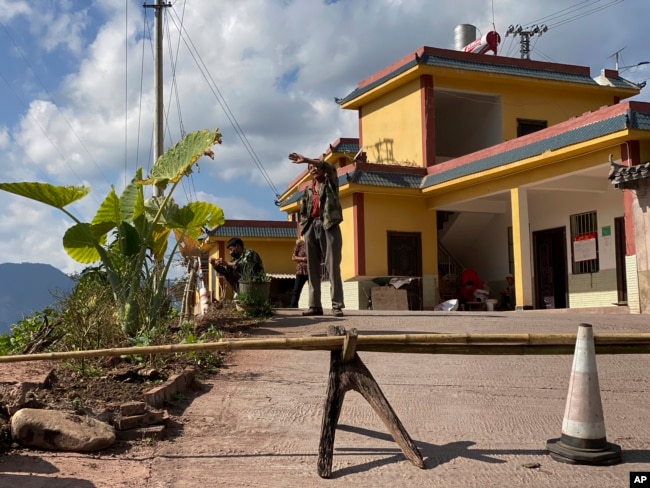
<point>478,421</point>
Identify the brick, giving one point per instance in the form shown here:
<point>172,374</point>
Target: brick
<point>129,409</point>
<point>156,432</point>
<point>136,421</point>
<point>180,383</point>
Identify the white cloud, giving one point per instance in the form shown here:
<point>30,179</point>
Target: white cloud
<point>10,9</point>
<point>273,69</point>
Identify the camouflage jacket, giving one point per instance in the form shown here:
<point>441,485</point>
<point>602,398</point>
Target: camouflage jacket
<point>249,266</point>
<point>330,206</point>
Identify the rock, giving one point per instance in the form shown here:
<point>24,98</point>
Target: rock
<point>15,395</point>
<point>60,431</point>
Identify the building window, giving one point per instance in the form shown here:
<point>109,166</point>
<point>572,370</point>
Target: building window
<point>527,126</point>
<point>584,243</point>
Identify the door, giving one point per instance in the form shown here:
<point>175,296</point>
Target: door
<point>405,259</point>
<point>550,257</point>
<point>621,275</point>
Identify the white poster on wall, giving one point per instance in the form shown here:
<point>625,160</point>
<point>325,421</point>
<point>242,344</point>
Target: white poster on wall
<point>584,249</point>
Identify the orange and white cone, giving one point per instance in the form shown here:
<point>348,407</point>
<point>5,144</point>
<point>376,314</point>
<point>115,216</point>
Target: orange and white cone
<point>583,439</point>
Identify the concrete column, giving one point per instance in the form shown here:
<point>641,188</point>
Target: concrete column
<point>522,249</point>
<point>641,202</point>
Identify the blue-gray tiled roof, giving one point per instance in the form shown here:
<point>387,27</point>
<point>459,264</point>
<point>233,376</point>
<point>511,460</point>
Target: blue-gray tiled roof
<point>251,231</point>
<point>639,121</point>
<point>381,178</point>
<point>346,147</point>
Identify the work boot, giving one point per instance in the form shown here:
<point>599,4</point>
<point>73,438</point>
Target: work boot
<point>337,312</point>
<point>313,311</point>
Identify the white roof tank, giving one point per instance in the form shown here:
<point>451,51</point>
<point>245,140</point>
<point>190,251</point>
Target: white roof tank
<point>463,35</point>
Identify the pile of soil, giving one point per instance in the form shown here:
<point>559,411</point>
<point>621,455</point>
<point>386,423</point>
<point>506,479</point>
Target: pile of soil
<point>118,380</point>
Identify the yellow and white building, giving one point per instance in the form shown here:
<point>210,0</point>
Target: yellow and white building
<point>501,165</point>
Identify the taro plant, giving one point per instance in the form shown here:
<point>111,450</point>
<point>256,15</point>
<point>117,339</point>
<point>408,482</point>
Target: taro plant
<point>128,235</point>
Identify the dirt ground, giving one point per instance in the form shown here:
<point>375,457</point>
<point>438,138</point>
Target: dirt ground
<point>477,420</point>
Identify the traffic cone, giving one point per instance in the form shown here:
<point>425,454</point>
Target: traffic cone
<point>583,439</point>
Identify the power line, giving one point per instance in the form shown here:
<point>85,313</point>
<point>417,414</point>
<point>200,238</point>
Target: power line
<point>224,105</point>
<point>573,12</point>
<point>45,133</point>
<point>56,106</point>
<point>564,16</point>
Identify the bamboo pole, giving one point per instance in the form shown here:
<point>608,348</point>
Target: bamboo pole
<point>471,344</point>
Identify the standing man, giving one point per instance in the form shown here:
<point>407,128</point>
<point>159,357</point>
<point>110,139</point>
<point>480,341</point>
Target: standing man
<point>320,216</point>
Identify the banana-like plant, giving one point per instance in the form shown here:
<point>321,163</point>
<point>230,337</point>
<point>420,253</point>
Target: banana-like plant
<point>129,233</point>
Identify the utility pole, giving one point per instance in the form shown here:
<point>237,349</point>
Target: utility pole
<point>158,120</point>
<point>525,35</point>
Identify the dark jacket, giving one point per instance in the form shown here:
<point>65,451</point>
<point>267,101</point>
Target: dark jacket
<point>330,206</point>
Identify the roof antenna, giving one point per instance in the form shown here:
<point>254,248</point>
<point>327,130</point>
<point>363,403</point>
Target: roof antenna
<point>616,56</point>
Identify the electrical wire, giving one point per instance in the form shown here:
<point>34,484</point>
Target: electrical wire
<point>45,133</point>
<point>56,106</point>
<point>126,88</point>
<point>224,105</point>
<point>188,189</point>
<point>137,149</point>
<point>564,16</point>
<point>574,12</point>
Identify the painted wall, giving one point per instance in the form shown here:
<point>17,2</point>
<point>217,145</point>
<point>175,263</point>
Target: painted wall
<point>347,231</point>
<point>275,254</point>
<point>392,128</point>
<point>402,214</point>
<point>538,100</point>
<point>548,210</point>
<point>550,104</point>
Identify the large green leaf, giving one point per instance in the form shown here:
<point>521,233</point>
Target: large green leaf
<point>81,241</point>
<point>159,239</point>
<point>152,208</point>
<point>109,211</point>
<point>55,196</point>
<point>192,217</point>
<point>178,159</point>
<point>132,199</point>
<point>129,240</point>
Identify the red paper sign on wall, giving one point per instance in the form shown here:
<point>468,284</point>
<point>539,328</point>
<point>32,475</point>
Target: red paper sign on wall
<point>584,247</point>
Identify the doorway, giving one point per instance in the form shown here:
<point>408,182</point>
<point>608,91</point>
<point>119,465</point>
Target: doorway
<point>550,257</point>
<point>621,275</point>
<point>405,259</point>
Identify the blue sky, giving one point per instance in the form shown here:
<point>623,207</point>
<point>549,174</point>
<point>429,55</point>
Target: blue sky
<point>76,87</point>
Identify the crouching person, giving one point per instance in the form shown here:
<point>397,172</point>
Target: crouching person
<point>245,262</point>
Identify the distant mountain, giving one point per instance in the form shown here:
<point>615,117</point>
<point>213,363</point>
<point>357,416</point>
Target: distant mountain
<point>26,288</point>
